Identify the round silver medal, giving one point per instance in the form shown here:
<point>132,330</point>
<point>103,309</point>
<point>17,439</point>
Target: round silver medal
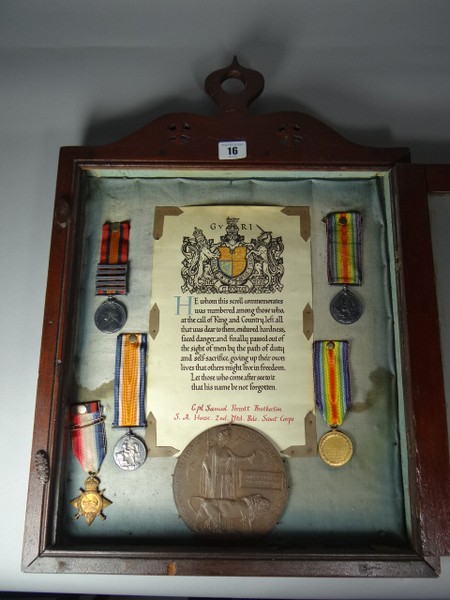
<point>129,452</point>
<point>346,307</point>
<point>110,316</point>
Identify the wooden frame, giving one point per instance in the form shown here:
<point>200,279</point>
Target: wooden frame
<point>287,142</point>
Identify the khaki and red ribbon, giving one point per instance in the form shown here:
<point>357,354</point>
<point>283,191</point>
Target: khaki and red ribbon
<point>344,248</point>
<point>88,435</point>
<point>129,384</point>
<point>112,269</point>
<point>331,379</point>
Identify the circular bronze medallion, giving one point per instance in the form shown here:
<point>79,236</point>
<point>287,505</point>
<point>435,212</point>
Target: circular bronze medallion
<point>230,480</point>
<point>335,448</point>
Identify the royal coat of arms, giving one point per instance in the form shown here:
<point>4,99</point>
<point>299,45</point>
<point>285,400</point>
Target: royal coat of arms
<point>232,265</point>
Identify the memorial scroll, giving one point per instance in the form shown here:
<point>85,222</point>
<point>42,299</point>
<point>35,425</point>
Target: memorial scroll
<point>231,322</point>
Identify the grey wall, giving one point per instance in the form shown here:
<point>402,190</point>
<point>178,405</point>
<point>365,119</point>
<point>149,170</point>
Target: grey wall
<point>89,72</point>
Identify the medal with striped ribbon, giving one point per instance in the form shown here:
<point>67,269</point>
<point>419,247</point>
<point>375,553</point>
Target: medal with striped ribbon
<point>129,396</point>
<point>89,447</point>
<point>344,263</point>
<point>113,266</point>
<point>332,396</point>
<point>112,276</point>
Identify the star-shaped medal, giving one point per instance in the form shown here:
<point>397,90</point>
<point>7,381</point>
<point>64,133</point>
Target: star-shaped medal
<point>91,502</point>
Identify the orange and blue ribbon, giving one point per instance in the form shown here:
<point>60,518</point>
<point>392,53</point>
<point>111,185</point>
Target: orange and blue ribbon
<point>344,248</point>
<point>88,435</point>
<point>331,379</point>
<point>129,384</point>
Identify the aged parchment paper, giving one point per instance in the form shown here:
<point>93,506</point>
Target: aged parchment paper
<point>229,338</point>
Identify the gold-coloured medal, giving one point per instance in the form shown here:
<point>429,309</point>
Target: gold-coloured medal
<point>91,502</point>
<point>335,448</point>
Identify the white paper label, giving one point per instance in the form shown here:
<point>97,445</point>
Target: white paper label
<point>232,150</point>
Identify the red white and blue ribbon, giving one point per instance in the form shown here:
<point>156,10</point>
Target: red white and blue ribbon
<point>88,435</point>
<point>331,379</point>
<point>129,384</point>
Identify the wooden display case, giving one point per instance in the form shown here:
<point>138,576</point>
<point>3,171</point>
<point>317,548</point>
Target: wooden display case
<point>258,177</point>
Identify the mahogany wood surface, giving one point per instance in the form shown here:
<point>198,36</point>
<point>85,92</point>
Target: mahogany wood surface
<point>285,141</point>
<point>428,444</point>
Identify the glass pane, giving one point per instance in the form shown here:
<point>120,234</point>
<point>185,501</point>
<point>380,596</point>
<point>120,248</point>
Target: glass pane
<point>439,205</point>
<point>362,502</point>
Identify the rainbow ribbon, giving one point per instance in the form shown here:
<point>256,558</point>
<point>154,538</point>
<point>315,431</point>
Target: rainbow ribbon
<point>88,435</point>
<point>331,379</point>
<point>129,384</point>
<point>344,248</point>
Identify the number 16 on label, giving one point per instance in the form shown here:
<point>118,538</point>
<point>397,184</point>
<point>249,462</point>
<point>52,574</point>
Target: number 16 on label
<point>232,150</point>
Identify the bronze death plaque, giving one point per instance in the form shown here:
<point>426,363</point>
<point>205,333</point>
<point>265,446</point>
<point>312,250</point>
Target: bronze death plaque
<point>230,481</point>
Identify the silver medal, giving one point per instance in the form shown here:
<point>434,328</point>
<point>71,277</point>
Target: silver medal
<point>110,316</point>
<point>129,452</point>
<point>346,307</point>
